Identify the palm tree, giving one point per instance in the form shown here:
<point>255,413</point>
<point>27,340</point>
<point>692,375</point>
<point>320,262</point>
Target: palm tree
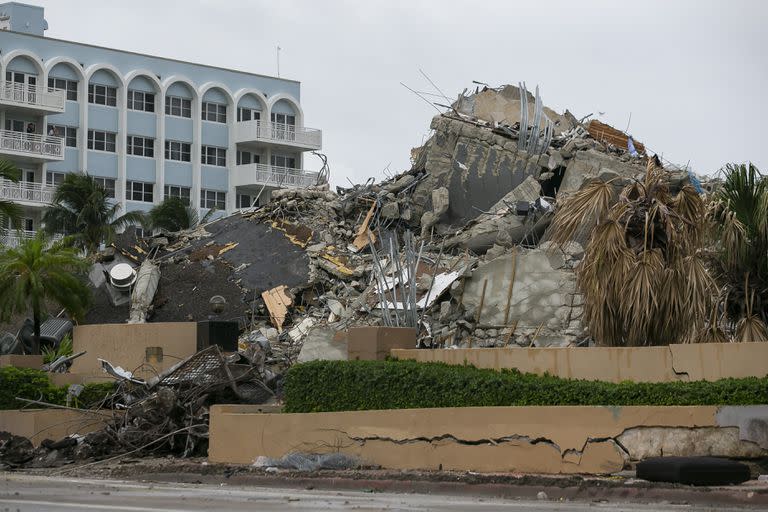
<point>37,271</point>
<point>173,215</point>
<point>83,211</point>
<point>739,213</point>
<point>9,209</point>
<point>643,278</point>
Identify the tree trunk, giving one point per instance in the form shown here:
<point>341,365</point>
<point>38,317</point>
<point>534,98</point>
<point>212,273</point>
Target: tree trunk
<point>36,336</point>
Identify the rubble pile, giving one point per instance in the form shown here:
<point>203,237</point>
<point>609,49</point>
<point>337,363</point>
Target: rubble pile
<point>456,247</point>
<point>164,415</point>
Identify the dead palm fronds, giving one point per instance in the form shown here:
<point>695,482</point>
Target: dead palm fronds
<point>712,332</point>
<point>642,278</point>
<point>750,327</point>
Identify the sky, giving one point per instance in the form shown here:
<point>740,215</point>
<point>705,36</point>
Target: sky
<point>688,78</point>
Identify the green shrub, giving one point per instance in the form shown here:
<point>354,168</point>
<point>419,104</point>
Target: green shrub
<point>34,385</point>
<point>364,385</point>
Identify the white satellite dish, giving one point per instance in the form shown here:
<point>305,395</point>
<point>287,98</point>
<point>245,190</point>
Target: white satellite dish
<point>122,275</point>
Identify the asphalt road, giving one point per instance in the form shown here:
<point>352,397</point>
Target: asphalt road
<point>25,493</point>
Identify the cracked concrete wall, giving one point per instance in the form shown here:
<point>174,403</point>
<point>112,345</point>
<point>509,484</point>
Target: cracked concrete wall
<point>688,362</point>
<point>40,424</point>
<point>477,166</point>
<point>545,301</point>
<point>595,440</point>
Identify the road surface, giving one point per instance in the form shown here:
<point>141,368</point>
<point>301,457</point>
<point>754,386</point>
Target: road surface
<point>26,493</point>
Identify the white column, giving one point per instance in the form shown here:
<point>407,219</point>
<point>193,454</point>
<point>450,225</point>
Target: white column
<point>122,131</point>
<point>160,147</point>
<point>196,151</point>
<point>231,157</point>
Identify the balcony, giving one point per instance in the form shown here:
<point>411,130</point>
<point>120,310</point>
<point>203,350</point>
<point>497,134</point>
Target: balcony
<point>271,176</point>
<point>31,194</point>
<point>31,146</point>
<point>12,238</point>
<point>42,100</point>
<point>277,133</point>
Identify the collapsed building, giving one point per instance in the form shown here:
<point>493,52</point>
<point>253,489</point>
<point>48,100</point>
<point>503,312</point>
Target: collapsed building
<point>457,246</point>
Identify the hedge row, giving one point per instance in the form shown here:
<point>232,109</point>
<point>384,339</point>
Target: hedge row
<point>34,385</point>
<point>364,385</point>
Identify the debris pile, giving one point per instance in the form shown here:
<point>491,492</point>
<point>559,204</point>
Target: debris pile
<point>164,415</point>
<point>457,247</point>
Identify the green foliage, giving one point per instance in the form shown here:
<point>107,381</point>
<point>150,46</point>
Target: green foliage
<point>35,272</point>
<point>320,386</point>
<point>174,214</point>
<point>740,221</point>
<point>51,354</point>
<point>34,385</point>
<point>83,211</point>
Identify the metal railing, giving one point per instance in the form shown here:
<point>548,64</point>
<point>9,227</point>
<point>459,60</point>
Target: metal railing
<point>284,177</point>
<point>25,191</point>
<point>33,95</point>
<point>280,133</point>
<point>32,144</point>
<point>13,238</point>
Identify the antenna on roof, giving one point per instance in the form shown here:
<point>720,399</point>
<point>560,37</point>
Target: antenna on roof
<point>278,61</point>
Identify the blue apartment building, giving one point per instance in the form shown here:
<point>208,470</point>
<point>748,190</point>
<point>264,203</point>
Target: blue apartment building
<point>145,126</point>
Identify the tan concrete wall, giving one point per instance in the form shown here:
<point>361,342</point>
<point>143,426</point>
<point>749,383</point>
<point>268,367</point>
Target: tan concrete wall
<point>372,343</point>
<point>125,345</point>
<point>22,361</point>
<point>39,424</point>
<point>703,361</point>
<point>526,439</point>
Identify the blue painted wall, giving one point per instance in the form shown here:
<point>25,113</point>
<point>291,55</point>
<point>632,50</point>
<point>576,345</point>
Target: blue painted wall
<point>102,118</point>
<point>213,178</point>
<point>142,123</point>
<point>102,164</point>
<point>178,173</point>
<point>140,168</point>
<point>71,162</point>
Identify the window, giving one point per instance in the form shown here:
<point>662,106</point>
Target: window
<point>246,157</point>
<point>141,146</point>
<point>139,191</point>
<point>214,112</point>
<point>69,133</point>
<point>101,141</point>
<point>211,155</point>
<point>14,125</point>
<point>19,77</point>
<point>248,114</point>
<point>107,183</point>
<point>54,179</point>
<point>176,106</point>
<point>28,224</point>
<point>102,95</point>
<point>244,201</point>
<point>67,85</point>
<point>287,119</point>
<point>182,193</point>
<point>284,161</point>
<point>138,100</point>
<point>179,151</point>
<point>213,199</point>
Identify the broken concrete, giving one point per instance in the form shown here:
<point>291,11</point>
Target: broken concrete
<point>484,439</point>
<point>544,304</point>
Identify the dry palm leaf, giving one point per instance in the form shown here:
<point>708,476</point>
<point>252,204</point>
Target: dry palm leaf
<point>585,207</point>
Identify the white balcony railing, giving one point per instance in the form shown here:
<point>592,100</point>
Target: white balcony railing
<point>46,98</point>
<point>282,177</point>
<point>13,238</point>
<point>26,192</point>
<point>48,147</point>
<point>279,133</point>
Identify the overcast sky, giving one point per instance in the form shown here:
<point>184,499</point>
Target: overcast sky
<point>693,74</point>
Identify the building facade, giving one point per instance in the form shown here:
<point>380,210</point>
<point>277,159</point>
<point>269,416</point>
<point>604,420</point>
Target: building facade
<point>146,127</point>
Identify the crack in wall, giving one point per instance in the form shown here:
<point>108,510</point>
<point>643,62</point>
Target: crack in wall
<point>450,437</point>
<point>682,375</point>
